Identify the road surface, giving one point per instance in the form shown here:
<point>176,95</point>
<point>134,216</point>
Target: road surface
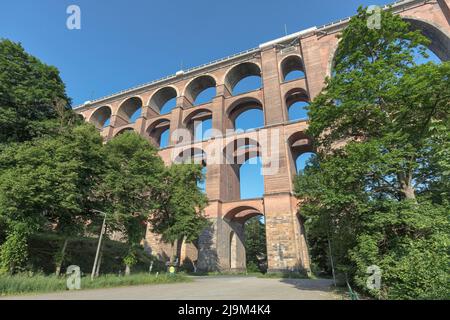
<point>207,288</point>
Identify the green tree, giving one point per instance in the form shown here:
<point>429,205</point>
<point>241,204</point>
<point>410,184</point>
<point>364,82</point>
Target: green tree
<point>45,185</point>
<point>179,216</point>
<point>130,187</point>
<point>29,90</point>
<point>255,245</point>
<point>378,189</point>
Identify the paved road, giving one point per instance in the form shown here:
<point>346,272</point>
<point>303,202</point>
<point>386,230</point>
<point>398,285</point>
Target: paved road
<point>208,288</point>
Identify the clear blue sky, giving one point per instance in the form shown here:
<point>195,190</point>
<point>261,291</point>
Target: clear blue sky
<point>129,42</point>
<point>124,43</point>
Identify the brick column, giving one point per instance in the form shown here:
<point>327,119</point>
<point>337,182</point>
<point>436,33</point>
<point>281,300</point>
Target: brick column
<point>176,117</point>
<point>139,125</point>
<point>286,247</point>
<point>317,53</point>
<point>218,112</point>
<point>273,105</point>
<point>118,121</point>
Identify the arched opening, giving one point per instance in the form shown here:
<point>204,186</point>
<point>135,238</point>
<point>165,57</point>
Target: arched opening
<point>255,244</point>
<point>130,110</point>
<point>191,155</point>
<point>201,184</point>
<point>297,101</point>
<point>303,161</point>
<point>101,117</point>
<point>202,129</point>
<point>205,96</point>
<point>249,119</point>
<point>246,115</point>
<point>430,56</point>
<point>251,180</point>
<point>440,41</point>
<point>292,68</point>
<point>164,100</point>
<point>164,139</point>
<point>159,133</point>
<point>195,156</point>
<point>438,50</point>
<point>247,239</point>
<point>244,169</point>
<point>301,151</point>
<point>201,90</point>
<point>123,131</point>
<point>199,124</point>
<point>243,78</point>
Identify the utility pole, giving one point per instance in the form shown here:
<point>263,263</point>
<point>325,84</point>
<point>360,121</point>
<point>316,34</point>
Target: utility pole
<point>99,244</point>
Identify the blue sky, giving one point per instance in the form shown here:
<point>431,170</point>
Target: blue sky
<point>123,43</point>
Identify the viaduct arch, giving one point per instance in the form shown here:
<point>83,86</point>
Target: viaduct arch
<point>311,52</point>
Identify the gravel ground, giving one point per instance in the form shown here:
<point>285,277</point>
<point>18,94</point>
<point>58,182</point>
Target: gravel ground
<point>207,288</point>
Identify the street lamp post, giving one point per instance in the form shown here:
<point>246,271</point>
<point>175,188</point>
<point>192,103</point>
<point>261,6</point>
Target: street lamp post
<point>99,244</point>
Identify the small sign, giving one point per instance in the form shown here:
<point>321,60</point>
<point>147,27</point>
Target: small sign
<point>172,270</point>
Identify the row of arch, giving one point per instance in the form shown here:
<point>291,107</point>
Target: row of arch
<point>243,115</point>
<point>290,67</point>
<point>237,216</point>
<point>243,156</point>
<point>242,78</point>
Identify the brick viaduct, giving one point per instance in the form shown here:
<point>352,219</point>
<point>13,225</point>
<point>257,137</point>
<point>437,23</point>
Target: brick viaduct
<point>311,51</point>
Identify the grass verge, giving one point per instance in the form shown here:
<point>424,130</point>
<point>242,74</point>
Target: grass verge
<point>24,284</point>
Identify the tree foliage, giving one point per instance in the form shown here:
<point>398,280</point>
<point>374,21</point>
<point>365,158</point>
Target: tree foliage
<point>29,90</point>
<point>46,183</point>
<point>56,172</point>
<point>179,216</point>
<point>255,245</point>
<point>129,187</point>
<point>379,187</point>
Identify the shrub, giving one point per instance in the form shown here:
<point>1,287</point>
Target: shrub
<point>81,252</point>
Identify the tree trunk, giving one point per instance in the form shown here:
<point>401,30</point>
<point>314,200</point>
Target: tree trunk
<point>127,270</point>
<point>406,186</point>
<point>174,251</point>
<point>60,262</point>
<point>179,245</point>
<point>12,266</point>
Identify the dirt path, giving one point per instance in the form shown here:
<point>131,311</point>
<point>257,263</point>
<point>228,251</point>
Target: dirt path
<point>208,288</point>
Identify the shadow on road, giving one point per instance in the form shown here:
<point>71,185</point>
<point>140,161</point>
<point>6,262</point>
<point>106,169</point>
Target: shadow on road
<point>325,285</point>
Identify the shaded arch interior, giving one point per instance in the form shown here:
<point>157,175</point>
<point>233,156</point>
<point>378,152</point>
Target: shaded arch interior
<point>129,108</point>
<point>240,72</point>
<point>101,117</point>
<point>291,64</point>
<point>197,86</point>
<point>161,98</point>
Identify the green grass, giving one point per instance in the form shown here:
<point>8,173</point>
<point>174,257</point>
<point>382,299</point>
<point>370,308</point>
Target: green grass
<point>24,284</point>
